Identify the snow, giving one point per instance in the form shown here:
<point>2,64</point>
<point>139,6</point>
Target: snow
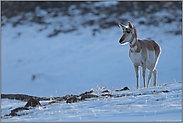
<point>106,109</point>
<point>75,62</point>
<point>78,58</point>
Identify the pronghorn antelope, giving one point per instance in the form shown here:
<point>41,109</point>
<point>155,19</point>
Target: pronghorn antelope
<point>143,52</point>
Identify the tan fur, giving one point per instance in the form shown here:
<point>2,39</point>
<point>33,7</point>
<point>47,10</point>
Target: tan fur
<point>143,52</point>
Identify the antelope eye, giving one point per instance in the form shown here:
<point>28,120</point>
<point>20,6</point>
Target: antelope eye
<point>128,31</point>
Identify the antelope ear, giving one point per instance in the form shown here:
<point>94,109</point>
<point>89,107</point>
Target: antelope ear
<point>130,24</point>
<point>121,26</point>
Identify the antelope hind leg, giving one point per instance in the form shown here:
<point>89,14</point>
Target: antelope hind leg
<point>155,76</point>
<point>149,77</point>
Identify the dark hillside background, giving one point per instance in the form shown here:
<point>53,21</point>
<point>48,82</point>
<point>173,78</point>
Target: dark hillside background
<point>13,8</point>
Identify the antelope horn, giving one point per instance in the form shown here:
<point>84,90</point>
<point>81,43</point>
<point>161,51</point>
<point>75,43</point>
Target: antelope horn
<point>130,24</point>
<point>121,25</point>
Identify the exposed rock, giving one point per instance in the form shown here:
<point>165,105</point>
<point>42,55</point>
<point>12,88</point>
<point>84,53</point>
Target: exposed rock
<point>72,99</point>
<point>128,94</point>
<point>12,114</point>
<point>117,90</point>
<point>52,102</point>
<point>33,103</point>
<point>123,89</point>
<point>19,109</point>
<point>23,97</point>
<point>88,96</point>
<point>60,98</point>
<point>14,111</point>
<point>117,96</point>
<point>165,91</point>
<point>87,92</point>
<point>107,95</point>
<point>106,91</point>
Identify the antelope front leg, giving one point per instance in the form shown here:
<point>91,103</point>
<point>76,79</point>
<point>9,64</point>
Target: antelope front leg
<point>144,73</point>
<point>137,75</point>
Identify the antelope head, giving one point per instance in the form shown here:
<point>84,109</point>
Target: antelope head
<point>129,33</point>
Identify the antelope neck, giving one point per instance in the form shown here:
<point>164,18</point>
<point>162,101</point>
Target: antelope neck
<point>134,47</point>
<point>133,41</point>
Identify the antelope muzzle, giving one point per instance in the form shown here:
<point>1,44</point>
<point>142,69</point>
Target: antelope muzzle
<point>121,41</point>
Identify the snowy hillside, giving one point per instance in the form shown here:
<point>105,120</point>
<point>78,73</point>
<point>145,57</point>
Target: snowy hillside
<point>161,104</point>
<point>50,53</point>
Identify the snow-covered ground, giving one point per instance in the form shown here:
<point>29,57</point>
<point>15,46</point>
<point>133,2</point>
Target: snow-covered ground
<point>162,107</point>
<point>71,63</point>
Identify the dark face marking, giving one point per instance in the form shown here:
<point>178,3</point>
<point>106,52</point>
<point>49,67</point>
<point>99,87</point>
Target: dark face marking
<point>126,30</point>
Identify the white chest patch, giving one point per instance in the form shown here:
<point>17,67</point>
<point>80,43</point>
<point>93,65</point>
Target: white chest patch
<point>134,48</point>
<point>136,58</point>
